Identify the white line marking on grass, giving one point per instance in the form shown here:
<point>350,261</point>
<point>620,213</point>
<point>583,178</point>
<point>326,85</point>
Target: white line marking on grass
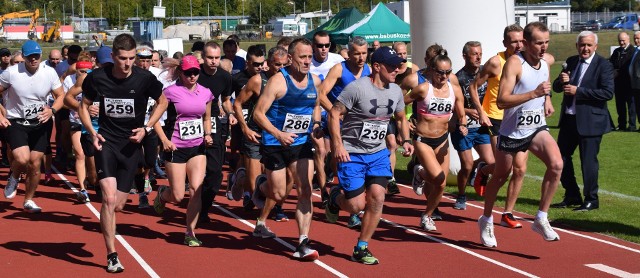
<point>121,239</point>
<point>555,228</point>
<point>279,240</point>
<point>600,191</point>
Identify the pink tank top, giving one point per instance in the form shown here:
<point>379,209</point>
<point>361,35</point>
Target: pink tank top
<point>432,106</point>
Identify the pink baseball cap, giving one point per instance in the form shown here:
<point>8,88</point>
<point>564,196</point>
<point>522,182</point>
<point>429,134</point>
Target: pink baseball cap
<point>189,62</point>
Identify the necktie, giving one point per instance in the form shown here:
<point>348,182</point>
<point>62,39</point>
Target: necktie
<point>577,73</point>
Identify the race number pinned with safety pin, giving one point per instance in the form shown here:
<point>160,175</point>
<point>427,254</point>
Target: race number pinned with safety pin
<point>191,129</point>
<point>213,125</point>
<point>472,123</point>
<point>530,118</point>
<point>31,111</point>
<point>119,108</point>
<point>245,115</point>
<point>373,133</point>
<point>296,123</point>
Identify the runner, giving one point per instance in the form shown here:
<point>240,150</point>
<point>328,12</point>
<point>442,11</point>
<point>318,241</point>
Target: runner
<point>287,111</point>
<point>472,55</point>
<point>123,91</point>
<point>437,99</point>
<point>524,94</point>
<point>219,83</point>
<point>338,78</point>
<point>28,123</point>
<point>250,148</point>
<point>188,130</point>
<point>358,146</point>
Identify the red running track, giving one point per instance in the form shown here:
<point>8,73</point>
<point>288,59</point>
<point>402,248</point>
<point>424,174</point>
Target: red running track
<point>65,240</point>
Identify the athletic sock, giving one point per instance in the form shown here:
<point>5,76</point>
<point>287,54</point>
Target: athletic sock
<point>259,222</point>
<point>362,244</point>
<point>302,238</point>
<point>488,219</point>
<point>541,215</point>
<point>110,256</point>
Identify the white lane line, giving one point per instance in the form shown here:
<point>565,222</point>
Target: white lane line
<point>555,228</point>
<point>121,239</point>
<point>600,191</point>
<point>279,240</point>
<point>527,274</point>
<point>613,271</point>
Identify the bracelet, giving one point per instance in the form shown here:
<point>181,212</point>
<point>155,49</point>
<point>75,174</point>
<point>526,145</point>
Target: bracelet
<point>317,122</point>
<point>407,141</point>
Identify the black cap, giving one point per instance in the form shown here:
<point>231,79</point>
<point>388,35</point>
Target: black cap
<point>386,55</point>
<point>5,52</point>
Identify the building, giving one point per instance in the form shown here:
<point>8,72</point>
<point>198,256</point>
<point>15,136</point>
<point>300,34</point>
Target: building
<point>227,23</point>
<point>557,15</point>
<point>401,9</point>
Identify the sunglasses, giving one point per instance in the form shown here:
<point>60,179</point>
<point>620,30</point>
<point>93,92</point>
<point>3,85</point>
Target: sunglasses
<point>190,73</point>
<point>443,72</point>
<point>257,64</point>
<point>320,45</point>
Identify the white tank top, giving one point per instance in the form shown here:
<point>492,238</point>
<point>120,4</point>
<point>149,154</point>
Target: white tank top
<point>523,120</point>
<point>432,106</point>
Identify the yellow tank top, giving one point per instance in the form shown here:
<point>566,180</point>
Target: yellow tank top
<point>489,104</point>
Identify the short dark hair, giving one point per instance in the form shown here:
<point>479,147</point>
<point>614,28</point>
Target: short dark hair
<point>75,49</point>
<point>528,30</point>
<point>124,42</point>
<point>212,44</point>
<point>511,28</point>
<point>199,45</point>
<point>255,51</point>
<point>295,42</point>
<point>320,34</point>
<point>284,41</point>
<point>234,38</point>
<point>229,43</point>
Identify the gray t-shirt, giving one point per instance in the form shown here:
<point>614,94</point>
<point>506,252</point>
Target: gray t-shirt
<point>364,127</point>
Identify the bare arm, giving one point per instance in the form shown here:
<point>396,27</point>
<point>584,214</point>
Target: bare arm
<point>459,110</point>
<point>327,85</point>
<point>334,116</point>
<point>243,96</point>
<point>417,93</point>
<point>276,87</point>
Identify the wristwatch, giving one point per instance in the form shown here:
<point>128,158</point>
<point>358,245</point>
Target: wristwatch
<point>407,141</point>
<point>53,110</point>
<point>147,129</point>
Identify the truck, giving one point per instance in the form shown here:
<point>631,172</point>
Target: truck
<point>287,27</point>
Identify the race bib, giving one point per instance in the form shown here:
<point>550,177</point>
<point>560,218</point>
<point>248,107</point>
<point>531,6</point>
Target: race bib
<point>119,108</point>
<point>472,123</point>
<point>440,106</point>
<point>296,123</point>
<point>245,114</point>
<point>31,111</point>
<point>213,125</point>
<point>530,119</point>
<point>373,133</point>
<point>191,129</point>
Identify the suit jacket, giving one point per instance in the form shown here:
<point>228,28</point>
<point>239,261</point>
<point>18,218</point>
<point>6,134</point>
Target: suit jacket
<point>621,59</point>
<point>592,114</point>
<point>635,72</point>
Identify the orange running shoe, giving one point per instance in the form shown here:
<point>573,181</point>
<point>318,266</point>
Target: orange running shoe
<point>480,181</point>
<point>509,221</point>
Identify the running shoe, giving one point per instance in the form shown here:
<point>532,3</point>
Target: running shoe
<point>316,186</point>
<point>472,175</point>
<point>363,255</point>
<point>509,221</point>
<point>12,187</point>
<point>304,252</point>
<point>427,224</point>
<point>159,173</point>
<point>143,201</point>
<point>147,186</point>
<point>230,181</point>
<point>31,207</point>
<point>331,211</point>
<point>461,202</point>
<point>192,241</point>
<point>113,263</point>
<point>278,214</point>
<point>354,221</point>
<point>263,231</point>
<point>542,227</point>
<point>83,196</point>
<point>436,215</point>
<point>418,182</point>
<point>487,238</point>
<point>247,204</point>
<point>236,189</point>
<point>392,187</point>
<point>480,180</point>
<point>258,197</point>
<point>325,197</point>
<point>47,178</point>
<point>158,203</point>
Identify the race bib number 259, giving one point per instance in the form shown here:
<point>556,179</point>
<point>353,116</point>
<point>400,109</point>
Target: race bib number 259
<point>119,108</point>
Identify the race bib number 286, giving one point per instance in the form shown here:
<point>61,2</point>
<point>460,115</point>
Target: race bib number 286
<point>119,108</point>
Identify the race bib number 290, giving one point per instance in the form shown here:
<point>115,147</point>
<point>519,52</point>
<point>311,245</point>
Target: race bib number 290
<point>119,108</point>
<point>296,123</point>
<point>529,119</point>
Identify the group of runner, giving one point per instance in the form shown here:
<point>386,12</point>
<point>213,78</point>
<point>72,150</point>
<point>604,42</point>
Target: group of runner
<point>296,118</point>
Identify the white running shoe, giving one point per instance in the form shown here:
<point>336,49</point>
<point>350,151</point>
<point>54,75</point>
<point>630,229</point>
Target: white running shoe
<point>31,207</point>
<point>12,187</point>
<point>542,227</point>
<point>418,182</point>
<point>427,223</point>
<point>487,237</point>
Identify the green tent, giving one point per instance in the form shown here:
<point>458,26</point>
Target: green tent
<point>342,20</point>
<point>380,24</point>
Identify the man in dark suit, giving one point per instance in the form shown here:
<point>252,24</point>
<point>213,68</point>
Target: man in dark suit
<point>634,71</point>
<point>587,86</point>
<point>621,59</point>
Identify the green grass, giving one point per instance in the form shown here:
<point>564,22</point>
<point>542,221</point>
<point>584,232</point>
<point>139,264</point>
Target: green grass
<point>618,217</point>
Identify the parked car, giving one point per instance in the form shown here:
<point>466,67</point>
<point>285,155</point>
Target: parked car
<point>615,23</point>
<point>593,25</point>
